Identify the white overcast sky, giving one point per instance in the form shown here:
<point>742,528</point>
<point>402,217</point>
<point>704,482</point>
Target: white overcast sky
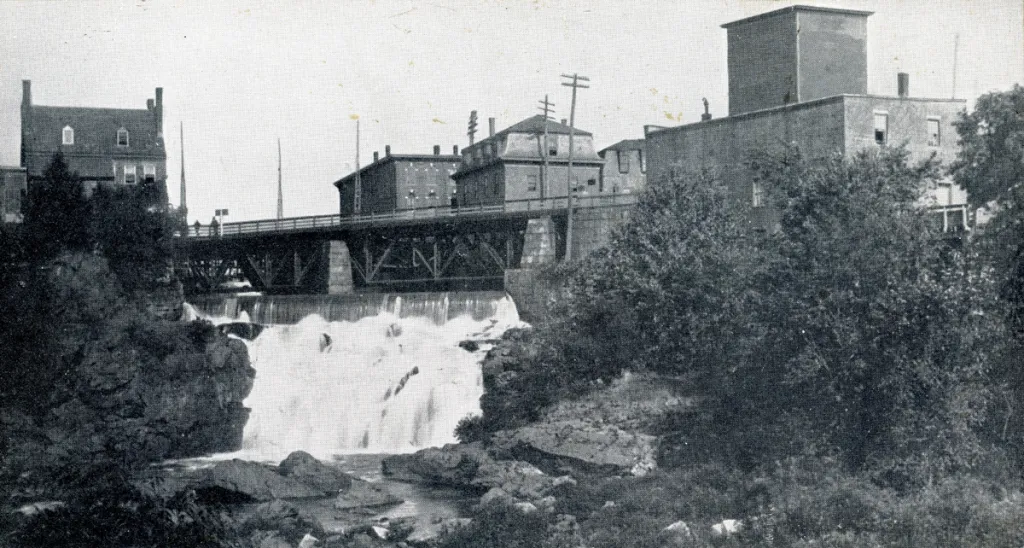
<point>240,75</point>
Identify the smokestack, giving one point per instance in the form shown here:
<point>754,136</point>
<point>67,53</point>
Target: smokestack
<point>490,127</point>
<point>376,156</point>
<point>437,150</point>
<point>387,150</point>
<point>26,93</point>
<point>903,84</point>
<point>455,150</point>
<point>158,108</point>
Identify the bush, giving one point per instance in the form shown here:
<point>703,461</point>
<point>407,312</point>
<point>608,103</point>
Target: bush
<point>103,507</point>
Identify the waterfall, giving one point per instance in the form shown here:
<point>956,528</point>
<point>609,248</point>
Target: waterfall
<point>374,373</point>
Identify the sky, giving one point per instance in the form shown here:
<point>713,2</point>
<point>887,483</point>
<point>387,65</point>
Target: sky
<point>241,75</point>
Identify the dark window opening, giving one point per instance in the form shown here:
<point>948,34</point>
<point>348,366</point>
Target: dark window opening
<point>623,161</point>
<point>881,128</point>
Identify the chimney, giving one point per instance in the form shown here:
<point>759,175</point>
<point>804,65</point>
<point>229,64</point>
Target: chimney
<point>437,150</point>
<point>149,105</point>
<point>490,127</point>
<point>376,156</point>
<point>387,150</point>
<point>26,93</point>
<point>455,150</point>
<point>903,84</point>
<point>707,113</point>
<point>158,109</point>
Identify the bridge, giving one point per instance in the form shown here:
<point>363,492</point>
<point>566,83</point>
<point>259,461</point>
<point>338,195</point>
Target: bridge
<point>436,248</point>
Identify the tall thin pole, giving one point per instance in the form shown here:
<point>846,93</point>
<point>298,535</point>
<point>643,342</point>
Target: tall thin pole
<point>571,185</point>
<point>956,48</point>
<point>544,148</point>
<point>357,195</point>
<point>280,194</point>
<point>184,204</point>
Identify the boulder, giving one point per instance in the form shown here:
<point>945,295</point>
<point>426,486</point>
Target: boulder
<point>452,465</point>
<point>239,481</point>
<point>596,446</point>
<point>496,495</point>
<point>364,494</point>
<point>517,478</point>
<point>303,467</point>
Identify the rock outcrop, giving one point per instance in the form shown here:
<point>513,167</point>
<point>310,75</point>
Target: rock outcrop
<point>579,442</point>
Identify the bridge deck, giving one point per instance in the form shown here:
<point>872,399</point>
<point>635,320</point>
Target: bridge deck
<point>407,217</point>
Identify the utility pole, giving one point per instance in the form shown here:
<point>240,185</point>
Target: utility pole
<point>472,127</point>
<point>184,206</point>
<point>544,149</point>
<point>357,195</point>
<point>571,185</point>
<point>280,195</point>
<point>956,47</point>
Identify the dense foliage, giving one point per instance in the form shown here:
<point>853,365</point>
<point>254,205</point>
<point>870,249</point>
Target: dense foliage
<point>855,330</point>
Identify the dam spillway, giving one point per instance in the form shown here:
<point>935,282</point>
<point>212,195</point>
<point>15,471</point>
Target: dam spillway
<point>375,373</point>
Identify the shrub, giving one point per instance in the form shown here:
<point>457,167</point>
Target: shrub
<point>105,508</point>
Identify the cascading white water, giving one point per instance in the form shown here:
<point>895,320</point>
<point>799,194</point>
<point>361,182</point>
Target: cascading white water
<point>387,383</point>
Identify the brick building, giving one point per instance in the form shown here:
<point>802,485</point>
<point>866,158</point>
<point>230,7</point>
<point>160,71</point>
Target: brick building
<point>625,166</point>
<point>509,165</point>
<point>13,187</point>
<point>103,145</point>
<point>798,75</point>
<point>399,182</point>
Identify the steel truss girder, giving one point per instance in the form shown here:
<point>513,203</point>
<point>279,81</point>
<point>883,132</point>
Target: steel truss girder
<point>399,258</point>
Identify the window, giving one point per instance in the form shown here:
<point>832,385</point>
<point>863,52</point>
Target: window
<point>552,145</point>
<point>591,182</point>
<point>944,194</point>
<point>531,183</point>
<point>129,174</point>
<point>757,195</point>
<point>122,137</point>
<point>881,127</point>
<point>643,161</point>
<point>149,171</point>
<point>623,161</point>
<point>934,135</point>
<point>68,135</point>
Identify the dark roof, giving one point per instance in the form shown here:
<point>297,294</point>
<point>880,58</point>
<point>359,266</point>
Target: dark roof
<point>398,157</point>
<point>626,144</point>
<point>95,130</point>
<point>789,9</point>
<point>535,124</point>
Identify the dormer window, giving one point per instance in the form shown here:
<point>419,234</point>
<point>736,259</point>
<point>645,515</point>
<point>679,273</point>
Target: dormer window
<point>122,137</point>
<point>68,136</point>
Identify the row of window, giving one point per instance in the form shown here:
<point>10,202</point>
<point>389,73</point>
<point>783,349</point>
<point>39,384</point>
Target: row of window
<point>68,136</point>
<point>882,129</point>
<point>130,173</point>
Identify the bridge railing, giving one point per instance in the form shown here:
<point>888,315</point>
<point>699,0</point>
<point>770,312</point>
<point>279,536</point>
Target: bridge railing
<point>315,222</point>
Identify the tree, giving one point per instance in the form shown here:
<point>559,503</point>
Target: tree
<point>874,343</point>
<point>990,163</point>
<point>57,213</point>
<point>133,229</point>
<point>990,166</point>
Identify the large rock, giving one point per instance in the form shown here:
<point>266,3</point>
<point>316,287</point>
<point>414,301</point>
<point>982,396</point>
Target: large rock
<point>364,494</point>
<point>452,465</point>
<point>303,467</point>
<point>599,446</point>
<point>240,481</point>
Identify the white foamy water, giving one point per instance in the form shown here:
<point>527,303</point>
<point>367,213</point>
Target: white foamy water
<point>379,384</point>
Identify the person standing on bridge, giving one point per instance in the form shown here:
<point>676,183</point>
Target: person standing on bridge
<point>214,227</point>
<point>197,226</point>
